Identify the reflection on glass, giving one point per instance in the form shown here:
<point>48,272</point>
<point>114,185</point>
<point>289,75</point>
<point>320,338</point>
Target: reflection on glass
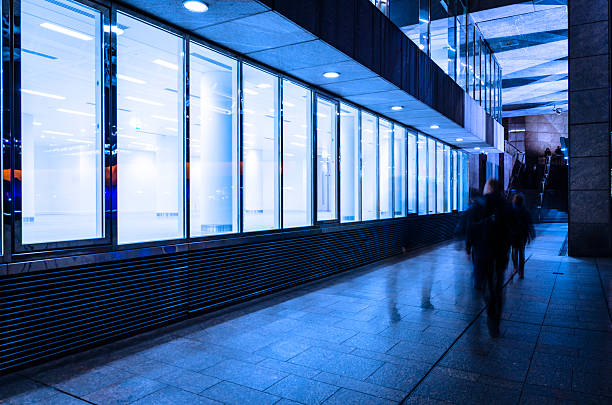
<point>447,179</point>
<point>442,31</point>
<point>385,170</point>
<point>260,150</point>
<point>412,172</point>
<point>61,116</point>
<point>349,164</point>
<point>439,177</point>
<point>369,164</point>
<point>399,171</point>
<point>431,176</point>
<point>422,156</point>
<point>297,156</point>
<point>150,133</point>
<point>213,143</point>
<point>326,160</point>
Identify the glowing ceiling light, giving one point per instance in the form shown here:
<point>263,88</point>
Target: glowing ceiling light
<point>459,139</point>
<point>195,6</point>
<point>397,108</point>
<point>331,75</point>
<point>73,112</point>
<point>66,31</point>
<point>41,94</point>
<point>166,64</point>
<point>130,79</point>
<point>37,124</point>
<point>434,126</point>
<point>477,148</point>
<point>250,92</point>
<point>161,117</point>
<point>144,101</point>
<point>264,86</point>
<point>56,133</point>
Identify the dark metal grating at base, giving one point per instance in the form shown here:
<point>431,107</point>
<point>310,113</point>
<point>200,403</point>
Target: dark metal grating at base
<point>47,314</point>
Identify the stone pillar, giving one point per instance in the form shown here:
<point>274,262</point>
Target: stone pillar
<point>589,128</point>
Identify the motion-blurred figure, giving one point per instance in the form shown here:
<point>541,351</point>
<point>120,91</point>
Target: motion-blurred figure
<point>489,224</point>
<point>523,232</point>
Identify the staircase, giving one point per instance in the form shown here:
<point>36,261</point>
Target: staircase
<point>518,162</point>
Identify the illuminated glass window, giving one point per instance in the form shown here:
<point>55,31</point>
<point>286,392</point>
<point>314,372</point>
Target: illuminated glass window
<point>150,157</point>
<point>431,176</point>
<point>399,171</point>
<point>385,168</point>
<point>326,160</point>
<point>455,179</point>
<point>423,173</point>
<point>440,188</point>
<point>297,156</point>
<point>412,172</point>
<point>260,150</point>
<point>447,179</point>
<point>369,164</point>
<point>62,178</point>
<point>213,143</point>
<point>349,164</point>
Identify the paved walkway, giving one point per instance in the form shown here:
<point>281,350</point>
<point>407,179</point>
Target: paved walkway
<point>408,329</point>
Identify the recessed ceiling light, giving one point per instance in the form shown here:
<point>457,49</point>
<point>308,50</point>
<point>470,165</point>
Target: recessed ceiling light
<point>477,148</point>
<point>195,6</point>
<point>459,139</point>
<point>331,75</point>
<point>66,31</point>
<point>434,126</point>
<point>397,108</point>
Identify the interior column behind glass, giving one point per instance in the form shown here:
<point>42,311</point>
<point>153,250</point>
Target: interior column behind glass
<point>150,157</point>
<point>447,179</point>
<point>369,165</point>
<point>399,171</point>
<point>412,173</point>
<point>423,173</point>
<point>465,175</point>
<point>326,160</point>
<point>349,164</point>
<point>385,168</point>
<point>260,150</point>
<point>213,143</point>
<point>297,156</point>
<point>62,189</point>
<point>455,179</point>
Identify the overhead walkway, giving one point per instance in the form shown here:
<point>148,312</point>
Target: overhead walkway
<point>407,329</point>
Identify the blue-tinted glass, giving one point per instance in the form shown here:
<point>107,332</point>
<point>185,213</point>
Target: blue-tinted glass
<point>385,169</point>
<point>326,160</point>
<point>349,164</point>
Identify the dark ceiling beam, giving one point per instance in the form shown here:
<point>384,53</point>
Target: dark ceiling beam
<point>480,5</point>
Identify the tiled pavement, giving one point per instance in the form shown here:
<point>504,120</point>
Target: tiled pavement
<point>408,329</point>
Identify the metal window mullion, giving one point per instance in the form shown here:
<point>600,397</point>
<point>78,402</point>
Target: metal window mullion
<point>240,149</point>
<point>186,142</point>
<point>281,158</point>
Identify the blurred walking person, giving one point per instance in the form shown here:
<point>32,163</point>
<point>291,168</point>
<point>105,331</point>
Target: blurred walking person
<point>523,233</point>
<point>488,240</point>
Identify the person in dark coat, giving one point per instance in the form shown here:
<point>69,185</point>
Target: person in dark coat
<point>523,232</point>
<point>488,239</point>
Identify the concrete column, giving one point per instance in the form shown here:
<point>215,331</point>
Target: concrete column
<point>589,128</point>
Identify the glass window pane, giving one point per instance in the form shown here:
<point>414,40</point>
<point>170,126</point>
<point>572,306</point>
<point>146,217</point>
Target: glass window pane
<point>61,121</point>
<point>465,177</point>
<point>399,171</point>
<point>442,31</point>
<point>150,133</point>
<point>326,160</point>
<point>439,177</point>
<point>213,143</point>
<point>349,164</point>
<point>412,173</point>
<point>447,179</point>
<point>385,171</point>
<point>297,156</point>
<point>431,176</point>
<point>422,156</point>
<point>455,179</point>
<point>260,153</point>
<point>369,164</point>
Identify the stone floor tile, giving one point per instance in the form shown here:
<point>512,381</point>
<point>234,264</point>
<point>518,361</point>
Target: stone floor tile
<point>337,363</point>
<point>302,390</point>
<point>245,374</point>
<point>349,397</point>
<point>362,386</point>
<point>80,384</point>
<point>175,396</point>
<point>124,392</point>
<point>289,368</point>
<point>371,342</point>
<point>234,394</point>
<point>285,349</point>
<point>402,378</point>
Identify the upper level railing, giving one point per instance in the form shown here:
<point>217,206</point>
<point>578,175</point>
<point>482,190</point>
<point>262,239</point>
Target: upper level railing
<point>445,31</point>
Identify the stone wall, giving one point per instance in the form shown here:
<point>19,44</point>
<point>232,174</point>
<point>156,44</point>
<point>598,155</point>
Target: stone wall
<point>589,128</point>
<point>534,133</point>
